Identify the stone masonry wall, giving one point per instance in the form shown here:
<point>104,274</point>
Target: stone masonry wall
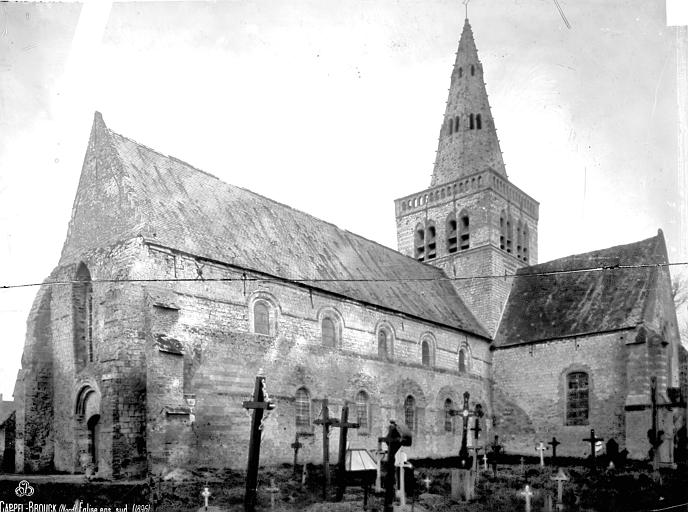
<point>203,357</point>
<point>530,392</point>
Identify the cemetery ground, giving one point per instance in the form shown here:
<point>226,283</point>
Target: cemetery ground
<point>633,488</point>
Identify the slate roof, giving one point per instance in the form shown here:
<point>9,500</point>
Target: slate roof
<point>171,203</point>
<point>580,301</point>
<point>7,407</point>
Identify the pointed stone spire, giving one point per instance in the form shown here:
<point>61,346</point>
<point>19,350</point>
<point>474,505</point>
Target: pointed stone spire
<point>468,140</point>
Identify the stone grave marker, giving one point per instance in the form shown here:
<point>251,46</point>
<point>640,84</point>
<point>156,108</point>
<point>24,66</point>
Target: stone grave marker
<point>527,493</point>
<point>206,494</point>
<point>560,478</point>
<point>401,462</point>
<point>541,448</point>
<point>554,443</point>
<point>593,445</point>
<point>273,490</point>
<point>463,479</point>
<point>496,449</point>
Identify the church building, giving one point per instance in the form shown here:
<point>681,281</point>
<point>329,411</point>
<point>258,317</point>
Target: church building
<point>181,288</point>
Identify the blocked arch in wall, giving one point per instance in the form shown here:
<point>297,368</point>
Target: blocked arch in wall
<point>87,432</point>
<point>330,318</point>
<point>269,301</point>
<point>563,394</point>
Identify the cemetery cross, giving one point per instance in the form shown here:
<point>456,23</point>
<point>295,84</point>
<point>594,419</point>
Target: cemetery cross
<point>593,441</point>
<point>260,403</point>
<point>296,446</point>
<point>344,425</point>
<point>326,422</point>
<point>541,448</point>
<point>464,458</point>
<point>554,443</point>
<point>496,449</point>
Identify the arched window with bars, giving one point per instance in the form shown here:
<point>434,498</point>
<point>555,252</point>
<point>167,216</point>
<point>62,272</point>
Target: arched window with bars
<point>465,231</point>
<point>410,412</point>
<point>302,404</point>
<point>419,242</point>
<point>362,411</point>
<point>577,398</point>
<point>426,355</point>
<point>448,418</point>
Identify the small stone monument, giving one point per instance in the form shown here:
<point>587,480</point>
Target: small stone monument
<point>427,481</point>
<point>485,461</point>
<point>541,448</point>
<point>527,494</point>
<point>401,461</point>
<point>560,478</point>
<point>206,494</point>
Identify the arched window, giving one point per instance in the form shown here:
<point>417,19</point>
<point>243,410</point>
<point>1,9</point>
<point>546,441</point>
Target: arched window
<point>452,235</point>
<point>525,242</point>
<point>478,122</point>
<point>577,398</point>
<point>261,318</point>
<point>464,235</point>
<point>425,353</point>
<point>362,410</point>
<point>460,72</point>
<point>448,423</point>
<point>410,412</point>
<point>450,125</point>
<point>329,333</point>
<point>472,70</point>
<point>82,314</point>
<point>509,233</point>
<point>302,404</point>
<point>502,231</point>
<point>419,241</point>
<point>518,240</point>
<point>431,242</point>
<point>456,124</point>
<point>462,361</point>
<point>471,122</point>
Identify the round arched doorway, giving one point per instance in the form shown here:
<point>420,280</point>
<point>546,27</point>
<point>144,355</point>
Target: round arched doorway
<point>88,429</point>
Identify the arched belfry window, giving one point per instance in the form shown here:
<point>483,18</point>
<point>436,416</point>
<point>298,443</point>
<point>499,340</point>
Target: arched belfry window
<point>426,353</point>
<point>478,122</point>
<point>450,126</point>
<point>431,235</point>
<point>448,422</point>
<point>465,232</point>
<point>456,124</point>
<point>419,243</point>
<point>261,318</point>
<point>502,231</point>
<point>302,412</point>
<point>460,72</point>
<point>577,398</point>
<point>82,314</point>
<point>452,234</point>
<point>509,234</point>
<point>525,242</point>
<point>410,412</point>
<point>471,121</point>
<point>472,70</point>
<point>362,410</point>
<point>519,232</point>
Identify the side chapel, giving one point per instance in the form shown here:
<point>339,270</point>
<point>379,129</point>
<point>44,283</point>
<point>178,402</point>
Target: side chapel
<point>182,287</point>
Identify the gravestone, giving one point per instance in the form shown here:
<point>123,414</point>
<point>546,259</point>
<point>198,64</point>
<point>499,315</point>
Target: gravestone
<point>401,462</point>
<point>527,493</point>
<point>560,478</point>
<point>541,448</point>
<point>592,440</point>
<point>554,443</point>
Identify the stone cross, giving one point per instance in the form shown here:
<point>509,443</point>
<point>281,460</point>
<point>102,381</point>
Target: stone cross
<point>304,474</point>
<point>541,448</point>
<point>393,440</point>
<point>527,493</point>
<point>260,403</point>
<point>485,461</point>
<point>464,458</point>
<point>560,478</point>
<point>427,483</point>
<point>554,444</point>
<point>401,461</point>
<point>273,489</point>
<point>343,425</point>
<point>593,442</point>
<point>206,494</point>
<point>380,453</point>
<point>476,456</point>
<point>326,422</point>
<point>496,448</point>
<point>296,446</point>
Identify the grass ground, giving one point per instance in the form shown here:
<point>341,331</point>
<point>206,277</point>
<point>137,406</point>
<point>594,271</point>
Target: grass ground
<point>629,490</point>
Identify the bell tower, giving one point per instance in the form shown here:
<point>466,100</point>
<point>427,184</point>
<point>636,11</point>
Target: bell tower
<point>472,221</point>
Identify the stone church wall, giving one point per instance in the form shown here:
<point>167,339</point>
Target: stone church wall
<point>530,392</point>
<point>202,358</point>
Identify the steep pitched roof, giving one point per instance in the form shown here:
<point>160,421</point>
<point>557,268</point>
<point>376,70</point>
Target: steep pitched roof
<point>467,143</point>
<point>128,190</point>
<point>578,298</point>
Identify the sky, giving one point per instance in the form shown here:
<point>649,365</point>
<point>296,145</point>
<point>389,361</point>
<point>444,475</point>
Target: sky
<point>334,108</point>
